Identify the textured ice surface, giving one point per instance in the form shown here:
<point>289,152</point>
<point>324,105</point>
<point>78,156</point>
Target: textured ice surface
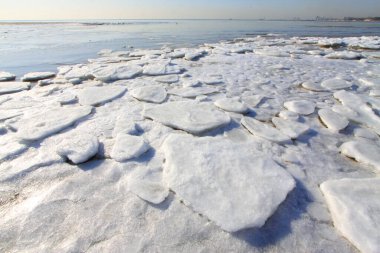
<point>116,72</point>
<point>291,128</point>
<point>231,105</point>
<point>6,76</point>
<point>333,120</point>
<point>78,147</point>
<point>192,117</point>
<point>336,84</point>
<point>99,95</point>
<point>264,130</point>
<point>363,151</point>
<point>300,106</point>
<point>128,146</point>
<point>231,183</point>
<point>190,92</point>
<point>355,206</point>
<point>50,122</point>
<point>153,93</point>
<point>35,76</point>
<point>12,87</point>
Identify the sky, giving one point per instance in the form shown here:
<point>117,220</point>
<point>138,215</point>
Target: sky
<point>184,9</point>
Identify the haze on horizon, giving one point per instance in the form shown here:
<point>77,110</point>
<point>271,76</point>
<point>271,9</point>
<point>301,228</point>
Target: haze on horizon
<point>182,9</point>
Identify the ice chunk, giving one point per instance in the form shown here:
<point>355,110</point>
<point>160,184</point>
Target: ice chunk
<point>128,146</point>
<point>150,191</point>
<point>167,79</point>
<point>345,55</point>
<point>51,121</point>
<point>116,72</point>
<point>36,76</point>
<point>291,128</point>
<point>231,105</point>
<point>191,92</point>
<point>194,55</point>
<point>336,84</point>
<point>161,68</point>
<point>153,93</point>
<point>99,95</point>
<point>313,86</point>
<point>365,133</point>
<point>288,115</point>
<point>303,107</point>
<point>333,120</point>
<point>12,87</point>
<point>264,130</point>
<point>190,116</point>
<point>362,151</point>
<point>232,183</point>
<point>6,76</point>
<point>355,206</point>
<point>78,147</point>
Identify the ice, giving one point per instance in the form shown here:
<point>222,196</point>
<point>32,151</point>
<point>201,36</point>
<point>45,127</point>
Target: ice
<point>264,130</point>
<point>303,107</point>
<point>288,115</point>
<point>333,120</point>
<point>362,151</point>
<point>375,93</point>
<point>194,55</point>
<point>161,68</point>
<point>365,133</point>
<point>153,192</point>
<point>8,114</point>
<point>128,146</point>
<point>191,92</point>
<point>6,76</point>
<point>190,116</point>
<point>291,128</point>
<point>78,147</point>
<point>124,125</point>
<point>168,79</point>
<point>116,72</point>
<point>345,55</point>
<point>231,105</point>
<point>355,206</point>
<point>336,84</point>
<point>313,86</point>
<point>50,122</point>
<point>152,93</point>
<point>10,147</point>
<point>36,76</point>
<point>99,95</point>
<point>231,183</point>
<point>13,87</point>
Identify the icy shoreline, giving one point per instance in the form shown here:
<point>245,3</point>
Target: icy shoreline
<point>241,146</point>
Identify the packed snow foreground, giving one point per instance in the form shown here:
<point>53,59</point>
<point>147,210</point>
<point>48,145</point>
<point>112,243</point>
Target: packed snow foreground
<point>263,144</point>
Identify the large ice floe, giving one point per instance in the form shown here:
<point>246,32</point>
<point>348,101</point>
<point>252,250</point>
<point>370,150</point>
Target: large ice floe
<point>260,144</point>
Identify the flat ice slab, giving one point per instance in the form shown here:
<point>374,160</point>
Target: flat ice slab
<point>50,122</point>
<point>13,87</point>
<point>291,128</point>
<point>366,152</point>
<point>333,120</point>
<point>231,105</point>
<point>36,76</point>
<point>190,116</point>
<point>128,146</point>
<point>152,93</point>
<point>6,76</point>
<point>355,207</point>
<point>303,107</point>
<point>98,95</point>
<point>231,183</point>
<point>264,130</point>
<point>336,84</point>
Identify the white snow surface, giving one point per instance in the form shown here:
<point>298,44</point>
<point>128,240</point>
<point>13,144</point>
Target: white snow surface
<point>231,183</point>
<point>127,195</point>
<point>152,93</point>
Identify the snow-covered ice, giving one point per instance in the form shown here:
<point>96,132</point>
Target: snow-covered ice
<point>232,184</point>
<point>303,107</point>
<point>98,95</point>
<point>355,206</point>
<point>152,93</point>
<point>35,76</point>
<point>333,120</point>
<point>264,130</point>
<point>12,87</point>
<point>128,146</point>
<point>363,151</point>
<point>231,105</point>
<point>6,76</point>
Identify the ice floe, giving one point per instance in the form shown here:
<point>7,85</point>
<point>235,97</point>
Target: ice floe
<point>98,95</point>
<point>128,146</point>
<point>192,117</point>
<point>333,120</point>
<point>291,128</point>
<point>354,205</point>
<point>231,105</point>
<point>303,107</point>
<point>191,92</point>
<point>336,84</point>
<point>35,76</point>
<point>362,151</point>
<point>152,93</point>
<point>231,183</point>
<point>12,87</point>
<point>6,76</point>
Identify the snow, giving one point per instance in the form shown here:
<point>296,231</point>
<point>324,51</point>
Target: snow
<point>6,76</point>
<point>99,95</point>
<point>363,151</point>
<point>354,205</point>
<point>190,92</point>
<point>264,130</point>
<point>335,84</point>
<point>231,183</point>
<point>303,107</point>
<point>291,128</point>
<point>50,122</point>
<point>153,93</point>
<point>192,117</point>
<point>35,76</point>
<point>333,120</point>
<point>116,72</point>
<point>78,148</point>
<point>161,68</point>
<point>345,55</point>
<point>128,146</point>
<point>231,105</point>
<point>13,87</point>
<point>168,79</point>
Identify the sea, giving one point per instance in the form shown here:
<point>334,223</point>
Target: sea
<point>27,46</point>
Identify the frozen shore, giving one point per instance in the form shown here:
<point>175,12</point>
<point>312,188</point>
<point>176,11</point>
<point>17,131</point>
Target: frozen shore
<point>265,144</point>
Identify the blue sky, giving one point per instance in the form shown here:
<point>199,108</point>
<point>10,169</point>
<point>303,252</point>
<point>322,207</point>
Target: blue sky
<point>135,9</point>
